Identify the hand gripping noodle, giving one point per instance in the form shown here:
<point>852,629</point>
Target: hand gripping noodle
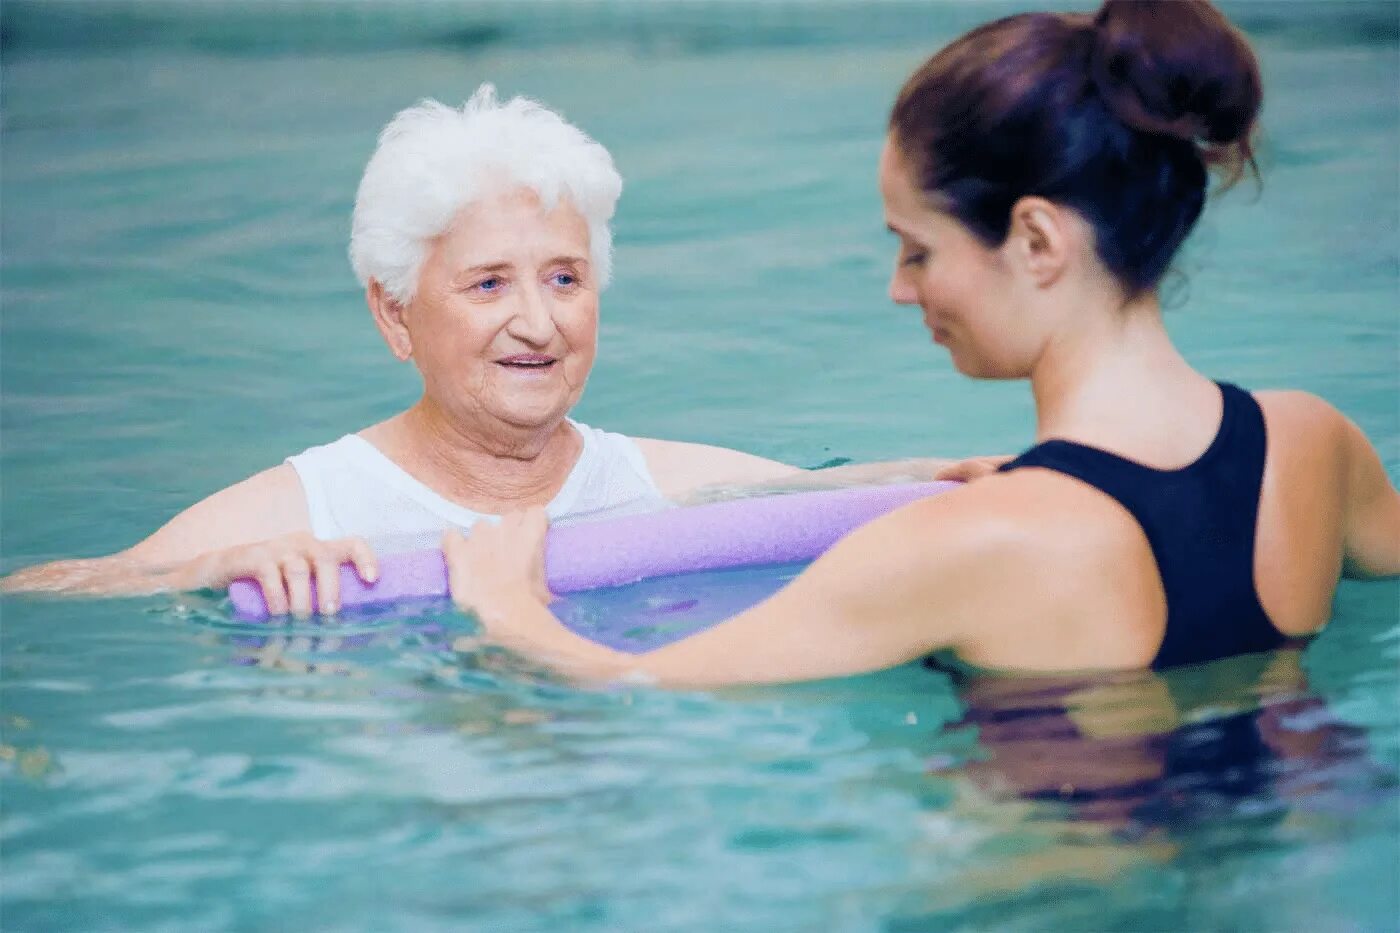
<point>720,535</point>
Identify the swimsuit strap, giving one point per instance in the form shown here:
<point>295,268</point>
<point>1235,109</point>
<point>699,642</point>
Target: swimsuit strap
<point>1200,523</point>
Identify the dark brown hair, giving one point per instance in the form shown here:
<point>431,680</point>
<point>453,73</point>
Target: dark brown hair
<point>1118,116</point>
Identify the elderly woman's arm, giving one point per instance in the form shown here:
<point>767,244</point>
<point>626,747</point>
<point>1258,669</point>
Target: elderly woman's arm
<point>679,468</point>
<point>688,472</point>
<point>258,528</point>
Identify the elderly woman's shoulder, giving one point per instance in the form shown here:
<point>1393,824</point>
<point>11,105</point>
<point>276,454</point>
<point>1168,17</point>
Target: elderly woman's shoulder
<point>265,505</point>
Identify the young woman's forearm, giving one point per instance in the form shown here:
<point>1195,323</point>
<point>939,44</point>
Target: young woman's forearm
<point>519,621</point>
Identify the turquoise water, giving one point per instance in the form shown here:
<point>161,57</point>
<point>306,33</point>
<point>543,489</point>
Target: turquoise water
<point>178,313</point>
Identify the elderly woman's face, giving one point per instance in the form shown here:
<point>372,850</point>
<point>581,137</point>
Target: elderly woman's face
<point>505,321</point>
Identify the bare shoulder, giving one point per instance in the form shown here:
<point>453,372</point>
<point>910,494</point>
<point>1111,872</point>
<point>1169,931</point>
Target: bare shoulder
<point>1312,421</point>
<point>265,505</point>
<point>1015,526</point>
<point>968,569</point>
<point>1296,412</point>
<point>1031,512</point>
<point>680,467</point>
<point>1311,444</point>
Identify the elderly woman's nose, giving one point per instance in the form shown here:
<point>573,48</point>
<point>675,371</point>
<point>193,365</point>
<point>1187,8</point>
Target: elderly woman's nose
<point>533,320</point>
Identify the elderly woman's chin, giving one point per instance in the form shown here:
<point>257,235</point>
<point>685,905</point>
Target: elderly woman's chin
<point>526,406</point>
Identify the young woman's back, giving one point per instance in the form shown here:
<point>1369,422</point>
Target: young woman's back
<point>1100,592</point>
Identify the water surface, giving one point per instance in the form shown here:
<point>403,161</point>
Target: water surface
<point>178,313</point>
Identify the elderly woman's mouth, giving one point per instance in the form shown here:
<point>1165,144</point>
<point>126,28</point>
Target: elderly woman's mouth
<point>528,362</point>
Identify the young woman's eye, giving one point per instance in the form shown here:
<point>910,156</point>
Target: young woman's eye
<point>913,259</point>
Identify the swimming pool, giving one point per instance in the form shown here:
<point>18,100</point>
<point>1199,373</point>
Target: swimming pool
<point>178,313</point>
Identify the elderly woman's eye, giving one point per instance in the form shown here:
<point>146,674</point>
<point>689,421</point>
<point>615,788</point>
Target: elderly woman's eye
<point>489,285</point>
<point>564,279</point>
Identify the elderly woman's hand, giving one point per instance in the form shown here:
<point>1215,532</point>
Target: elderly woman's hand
<point>285,568</point>
<point>497,563</point>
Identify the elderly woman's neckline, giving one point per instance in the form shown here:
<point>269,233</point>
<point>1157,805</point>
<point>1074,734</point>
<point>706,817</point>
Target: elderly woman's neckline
<point>472,476</point>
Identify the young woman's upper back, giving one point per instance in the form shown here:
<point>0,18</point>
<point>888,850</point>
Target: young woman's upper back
<point>1081,587</point>
<point>1042,172</point>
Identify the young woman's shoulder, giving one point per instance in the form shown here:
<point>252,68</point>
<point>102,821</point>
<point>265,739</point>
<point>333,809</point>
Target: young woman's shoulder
<point>1039,515</point>
<point>1311,443</point>
<point>1301,410</point>
<point>1033,526</point>
<point>1314,447</point>
<point>1028,545</point>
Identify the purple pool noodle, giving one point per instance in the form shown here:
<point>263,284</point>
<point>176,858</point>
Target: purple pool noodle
<point>735,533</point>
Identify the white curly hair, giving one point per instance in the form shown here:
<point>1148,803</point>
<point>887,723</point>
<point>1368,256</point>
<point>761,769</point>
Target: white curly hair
<point>432,161</point>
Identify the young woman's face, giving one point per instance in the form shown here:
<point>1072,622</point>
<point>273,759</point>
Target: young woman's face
<point>966,290</point>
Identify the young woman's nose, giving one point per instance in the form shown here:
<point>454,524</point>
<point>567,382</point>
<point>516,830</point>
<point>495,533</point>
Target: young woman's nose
<point>902,291</point>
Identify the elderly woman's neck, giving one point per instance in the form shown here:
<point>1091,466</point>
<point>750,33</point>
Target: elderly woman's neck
<point>495,467</point>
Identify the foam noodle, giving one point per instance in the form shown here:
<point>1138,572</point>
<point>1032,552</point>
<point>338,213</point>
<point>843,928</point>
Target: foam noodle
<point>735,533</point>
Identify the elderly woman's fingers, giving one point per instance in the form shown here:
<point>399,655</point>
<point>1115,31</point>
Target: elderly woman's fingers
<point>326,566</point>
<point>362,556</point>
<point>327,557</point>
<point>296,570</point>
<point>269,577</point>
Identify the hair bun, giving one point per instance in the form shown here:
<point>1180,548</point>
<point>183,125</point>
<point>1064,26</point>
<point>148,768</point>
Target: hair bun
<point>1178,68</point>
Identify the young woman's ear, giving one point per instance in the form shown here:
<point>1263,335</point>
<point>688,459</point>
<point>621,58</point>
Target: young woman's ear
<point>389,318</point>
<point>1043,237</point>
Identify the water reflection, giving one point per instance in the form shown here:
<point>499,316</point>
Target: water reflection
<point>1142,753</point>
<point>1124,757</point>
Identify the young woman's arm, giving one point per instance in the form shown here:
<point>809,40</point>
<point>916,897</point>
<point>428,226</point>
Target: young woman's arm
<point>1372,529</point>
<point>887,594</point>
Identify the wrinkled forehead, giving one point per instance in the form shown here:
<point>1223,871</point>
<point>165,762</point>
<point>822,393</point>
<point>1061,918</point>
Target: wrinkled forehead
<point>514,224</point>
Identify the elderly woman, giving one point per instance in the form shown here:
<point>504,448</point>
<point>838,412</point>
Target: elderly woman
<point>481,238</point>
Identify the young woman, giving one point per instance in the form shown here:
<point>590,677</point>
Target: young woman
<point>1040,173</point>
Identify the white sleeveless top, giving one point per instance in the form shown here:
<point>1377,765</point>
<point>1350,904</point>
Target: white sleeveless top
<point>353,489</point>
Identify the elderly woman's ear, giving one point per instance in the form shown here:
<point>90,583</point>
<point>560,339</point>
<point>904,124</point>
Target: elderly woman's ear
<point>388,314</point>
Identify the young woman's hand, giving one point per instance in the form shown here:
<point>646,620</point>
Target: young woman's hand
<point>496,563</point>
<point>973,468</point>
<point>285,568</point>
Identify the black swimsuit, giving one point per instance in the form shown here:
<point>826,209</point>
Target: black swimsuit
<point>1200,522</point>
